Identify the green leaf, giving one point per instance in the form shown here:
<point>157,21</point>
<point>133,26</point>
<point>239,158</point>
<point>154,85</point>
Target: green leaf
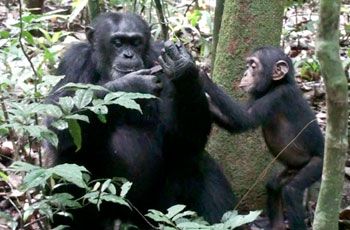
<point>46,210</point>
<point>64,200</point>
<point>4,34</point>
<point>75,132</point>
<point>82,98</point>
<point>3,176</point>
<point>99,109</point>
<point>194,225</point>
<point>127,103</point>
<point>78,117</point>
<point>183,214</point>
<point>72,85</point>
<point>29,38</point>
<point>96,186</point>
<point>28,212</point>
<point>53,111</point>
<point>46,34</point>
<point>35,178</point>
<point>50,137</point>
<point>125,188</point>
<point>60,124</point>
<point>102,118</point>
<point>176,209</point>
<point>11,222</point>
<point>113,95</point>
<point>66,104</point>
<point>114,199</point>
<point>112,189</point>
<point>56,36</point>
<point>159,217</point>
<point>232,220</point>
<point>71,172</point>
<point>138,96</point>
<point>33,130</point>
<point>105,185</point>
<point>19,166</point>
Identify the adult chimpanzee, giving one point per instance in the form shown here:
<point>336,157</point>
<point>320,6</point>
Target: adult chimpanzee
<point>276,104</point>
<point>160,150</point>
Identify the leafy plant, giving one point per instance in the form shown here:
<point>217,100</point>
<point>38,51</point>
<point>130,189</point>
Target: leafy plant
<point>177,218</point>
<point>310,70</point>
<point>50,203</point>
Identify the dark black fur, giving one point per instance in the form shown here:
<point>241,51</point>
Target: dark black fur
<point>162,150</point>
<point>282,112</point>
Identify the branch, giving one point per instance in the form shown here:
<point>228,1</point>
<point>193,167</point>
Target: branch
<point>36,76</point>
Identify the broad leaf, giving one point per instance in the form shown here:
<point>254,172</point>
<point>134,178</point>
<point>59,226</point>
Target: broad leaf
<point>75,132</point>
<point>82,98</point>
<point>71,172</point>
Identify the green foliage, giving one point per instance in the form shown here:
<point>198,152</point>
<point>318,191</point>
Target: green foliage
<point>70,110</point>
<point>40,179</point>
<point>10,222</point>
<point>177,218</point>
<point>309,69</point>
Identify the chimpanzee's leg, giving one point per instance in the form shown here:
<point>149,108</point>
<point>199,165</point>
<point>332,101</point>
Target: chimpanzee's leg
<point>293,192</point>
<point>274,199</point>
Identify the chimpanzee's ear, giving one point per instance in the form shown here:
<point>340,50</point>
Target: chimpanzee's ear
<point>89,31</point>
<point>280,69</point>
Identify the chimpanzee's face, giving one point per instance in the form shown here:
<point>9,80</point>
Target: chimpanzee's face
<point>251,75</point>
<point>127,44</point>
<point>120,46</point>
<point>259,77</point>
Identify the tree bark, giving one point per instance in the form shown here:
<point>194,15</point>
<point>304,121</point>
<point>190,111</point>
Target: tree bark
<point>219,10</point>
<point>327,50</point>
<point>93,8</point>
<point>161,19</point>
<point>246,24</point>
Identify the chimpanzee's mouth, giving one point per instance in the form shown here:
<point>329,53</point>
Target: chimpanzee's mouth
<point>125,71</point>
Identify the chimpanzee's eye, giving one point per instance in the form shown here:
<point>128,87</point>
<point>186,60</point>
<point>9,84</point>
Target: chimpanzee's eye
<point>117,42</point>
<point>136,42</point>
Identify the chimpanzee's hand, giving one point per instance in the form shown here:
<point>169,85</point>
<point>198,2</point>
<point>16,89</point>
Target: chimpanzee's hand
<point>139,81</point>
<point>175,60</point>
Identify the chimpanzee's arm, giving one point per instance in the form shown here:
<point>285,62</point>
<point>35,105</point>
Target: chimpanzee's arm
<point>226,112</point>
<point>235,117</point>
<point>190,113</point>
<point>140,81</point>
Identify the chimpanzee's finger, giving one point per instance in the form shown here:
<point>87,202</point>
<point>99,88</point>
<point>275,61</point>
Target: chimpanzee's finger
<point>163,63</point>
<point>171,50</point>
<point>166,59</point>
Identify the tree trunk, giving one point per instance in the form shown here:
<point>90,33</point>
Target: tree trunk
<point>93,8</point>
<point>327,50</point>
<point>219,9</point>
<point>161,19</point>
<point>246,24</point>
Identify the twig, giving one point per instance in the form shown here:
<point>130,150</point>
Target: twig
<point>141,215</point>
<point>268,167</point>
<point>13,137</point>
<point>36,76</point>
<point>22,46</point>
